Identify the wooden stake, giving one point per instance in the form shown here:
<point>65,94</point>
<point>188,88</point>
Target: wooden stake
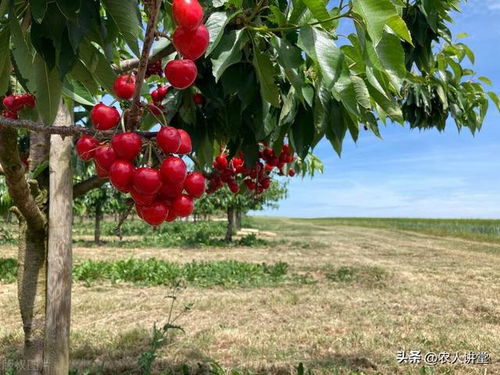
<point>59,250</point>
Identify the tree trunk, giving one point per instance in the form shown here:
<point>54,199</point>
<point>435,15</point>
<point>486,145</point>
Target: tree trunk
<point>31,282</point>
<point>97,228</point>
<point>230,224</point>
<point>237,220</point>
<point>59,250</point>
<point>30,200</point>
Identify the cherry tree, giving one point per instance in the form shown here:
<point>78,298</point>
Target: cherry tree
<point>246,76</point>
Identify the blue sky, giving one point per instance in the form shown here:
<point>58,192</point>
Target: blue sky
<point>412,173</point>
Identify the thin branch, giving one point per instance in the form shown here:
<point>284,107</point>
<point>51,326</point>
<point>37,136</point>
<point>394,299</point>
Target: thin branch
<point>65,131</point>
<point>19,189</point>
<point>84,187</point>
<point>128,65</point>
<point>134,115</point>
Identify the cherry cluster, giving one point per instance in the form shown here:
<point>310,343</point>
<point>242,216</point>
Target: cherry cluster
<point>190,38</point>
<point>160,194</point>
<point>234,172</point>
<point>15,103</point>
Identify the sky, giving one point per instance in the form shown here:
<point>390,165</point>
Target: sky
<point>410,173</point>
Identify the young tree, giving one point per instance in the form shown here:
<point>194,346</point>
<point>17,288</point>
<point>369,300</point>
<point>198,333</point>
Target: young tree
<point>274,70</point>
<point>235,205</point>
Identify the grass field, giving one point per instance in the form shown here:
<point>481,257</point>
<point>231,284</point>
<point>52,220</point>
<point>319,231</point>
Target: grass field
<point>342,296</point>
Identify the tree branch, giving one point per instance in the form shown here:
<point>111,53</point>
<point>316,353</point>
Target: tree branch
<point>19,189</point>
<point>84,187</point>
<point>65,131</point>
<point>128,65</point>
<point>135,113</point>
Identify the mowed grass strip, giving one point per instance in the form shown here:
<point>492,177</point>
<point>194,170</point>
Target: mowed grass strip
<point>468,229</point>
<point>154,272</point>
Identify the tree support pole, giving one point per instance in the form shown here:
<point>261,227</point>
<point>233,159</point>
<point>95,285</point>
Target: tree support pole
<point>59,250</point>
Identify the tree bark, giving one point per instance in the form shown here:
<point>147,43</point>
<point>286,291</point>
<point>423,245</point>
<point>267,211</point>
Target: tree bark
<point>59,250</point>
<point>30,203</point>
<point>230,224</point>
<point>98,219</point>
<point>237,220</point>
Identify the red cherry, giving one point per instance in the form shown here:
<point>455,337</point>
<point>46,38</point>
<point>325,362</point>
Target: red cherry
<point>291,172</point>
<point>181,73</point>
<point>138,209</point>
<point>186,146</point>
<point>171,216</point>
<point>170,191</point>
<point>191,44</point>
<point>198,99</point>
<point>147,181</point>
<point>163,90</point>
<point>155,214</point>
<point>169,140</point>
<point>234,187</point>
<point>104,117</point>
<point>266,183</point>
<point>127,145</point>
<point>104,157</point>
<point>237,163</point>
<point>195,184</point>
<point>221,162</point>
<point>121,174</point>
<point>86,147</point>
<point>141,199</point>
<point>102,173</point>
<point>13,103</point>
<point>183,205</point>
<point>173,170</point>
<point>250,184</point>
<point>10,114</point>
<point>28,100</point>
<point>156,96</point>
<point>187,13</point>
<point>124,86</point>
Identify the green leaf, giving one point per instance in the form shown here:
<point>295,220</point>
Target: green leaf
<point>362,94</point>
<point>378,14</point>
<point>22,53</point>
<point>486,80</point>
<point>69,8</point>
<point>392,56</point>
<point>265,72</point>
<point>215,24</point>
<point>320,47</point>
<point>125,14</point>
<point>288,55</point>
<point>4,60</point>
<point>494,97</point>
<point>297,11</point>
<point>302,132</point>
<point>97,65</point>
<point>48,90</point>
<point>38,9</point>
<point>319,11</point>
<point>228,52</point>
<point>78,93</point>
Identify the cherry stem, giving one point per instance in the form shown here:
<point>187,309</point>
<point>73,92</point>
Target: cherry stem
<point>150,148</point>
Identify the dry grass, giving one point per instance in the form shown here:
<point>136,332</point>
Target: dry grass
<point>407,291</point>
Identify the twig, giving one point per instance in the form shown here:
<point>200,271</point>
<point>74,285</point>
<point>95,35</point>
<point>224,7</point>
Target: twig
<point>135,113</point>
